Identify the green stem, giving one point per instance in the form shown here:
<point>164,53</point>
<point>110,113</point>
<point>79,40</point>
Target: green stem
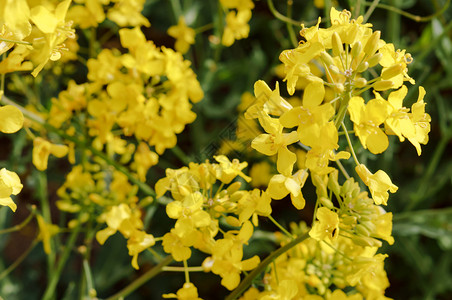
<point>18,260</point>
<point>88,276</point>
<point>280,227</point>
<point>142,280</point>
<point>292,35</point>
<point>182,269</point>
<point>280,16</point>
<point>370,10</point>
<point>246,282</point>
<point>51,287</point>
<point>16,42</point>
<point>350,144</point>
<point>21,225</point>
<point>411,16</point>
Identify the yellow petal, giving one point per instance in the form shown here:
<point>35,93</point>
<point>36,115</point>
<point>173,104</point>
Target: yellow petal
<point>11,119</point>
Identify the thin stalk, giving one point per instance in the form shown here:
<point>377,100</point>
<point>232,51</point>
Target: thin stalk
<point>280,16</point>
<point>21,225</point>
<point>18,260</point>
<point>142,279</point>
<point>51,287</point>
<point>350,144</point>
<point>16,42</point>
<point>182,269</point>
<point>411,16</point>
<point>246,282</point>
<point>292,35</point>
<point>370,10</point>
<point>280,227</point>
<point>88,276</point>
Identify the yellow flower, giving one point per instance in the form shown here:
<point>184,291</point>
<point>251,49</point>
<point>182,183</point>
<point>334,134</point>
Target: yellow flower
<point>46,231</point>
<point>421,121</point>
<point>276,142</point>
<point>11,119</point>
<point>184,35</point>
<point>280,186</point>
<point>367,118</point>
<point>42,149</point>
<point>228,170</point>
<point>187,292</point>
<point>378,184</point>
<point>55,30</point>
<point>327,226</point>
<point>9,185</point>
<point>236,26</point>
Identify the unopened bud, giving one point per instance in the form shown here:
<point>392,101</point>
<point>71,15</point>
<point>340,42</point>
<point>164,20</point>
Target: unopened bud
<point>392,71</point>
<point>336,44</point>
<point>360,82</point>
<point>327,59</point>
<point>383,85</point>
<point>320,185</point>
<point>366,241</point>
<point>361,230</point>
<point>372,43</point>
<point>234,187</point>
<point>356,50</point>
<point>333,183</point>
<point>349,220</point>
<point>374,59</point>
<point>326,202</point>
<point>369,226</point>
<point>334,69</point>
<point>362,67</point>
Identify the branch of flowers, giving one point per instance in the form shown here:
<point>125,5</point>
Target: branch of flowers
<point>280,16</point>
<point>350,144</point>
<point>411,16</point>
<point>55,277</point>
<point>141,185</point>
<point>246,282</point>
<point>142,279</point>
<point>21,225</point>
<point>19,260</point>
<point>281,227</point>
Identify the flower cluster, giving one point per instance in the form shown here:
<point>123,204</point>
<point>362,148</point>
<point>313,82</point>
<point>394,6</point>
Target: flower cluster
<point>237,18</point>
<point>201,208</point>
<point>36,34</point>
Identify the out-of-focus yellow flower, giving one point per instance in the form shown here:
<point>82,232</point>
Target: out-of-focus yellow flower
<point>9,185</point>
<point>46,231</point>
<point>184,35</point>
<point>11,119</point>
<point>42,149</point>
<point>236,27</point>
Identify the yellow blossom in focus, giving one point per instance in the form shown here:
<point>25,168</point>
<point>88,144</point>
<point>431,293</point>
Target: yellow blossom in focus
<point>184,35</point>
<point>42,149</point>
<point>327,225</point>
<point>379,184</point>
<point>187,292</point>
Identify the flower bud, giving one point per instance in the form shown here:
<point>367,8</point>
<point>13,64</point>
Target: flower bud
<point>356,50</point>
<point>362,67</point>
<point>334,69</point>
<point>392,71</point>
<point>326,58</point>
<point>383,85</point>
<point>326,202</point>
<point>374,59</point>
<point>362,230</point>
<point>372,43</point>
<point>336,44</point>
<point>360,82</point>
<point>349,220</point>
<point>366,241</point>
